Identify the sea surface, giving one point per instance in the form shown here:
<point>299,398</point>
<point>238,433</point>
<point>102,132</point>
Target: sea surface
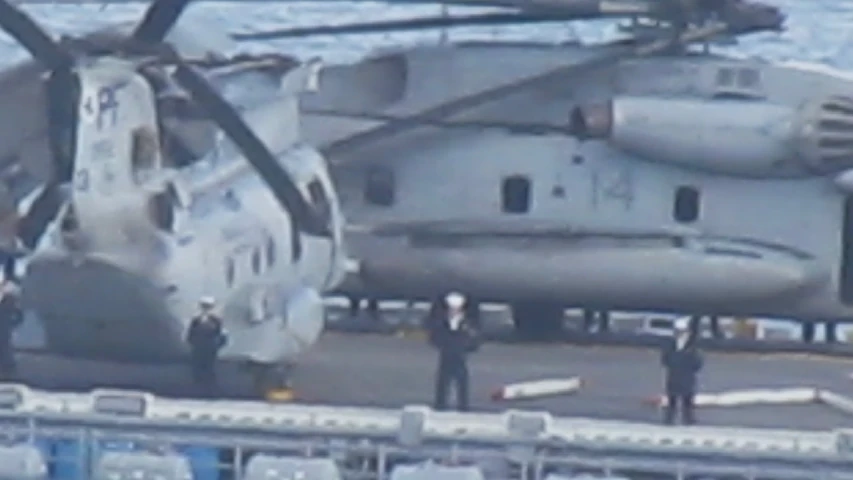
<point>818,30</point>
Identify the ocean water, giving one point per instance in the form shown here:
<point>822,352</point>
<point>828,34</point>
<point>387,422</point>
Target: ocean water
<point>818,30</point>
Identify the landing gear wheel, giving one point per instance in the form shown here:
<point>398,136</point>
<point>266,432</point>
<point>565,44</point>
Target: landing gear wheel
<point>536,321</point>
<point>272,382</point>
<point>808,332</point>
<point>589,318</point>
<point>695,327</point>
<point>831,332</point>
<point>354,307</point>
<point>716,330</point>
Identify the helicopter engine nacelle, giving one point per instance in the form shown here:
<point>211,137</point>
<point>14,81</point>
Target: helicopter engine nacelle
<point>732,137</point>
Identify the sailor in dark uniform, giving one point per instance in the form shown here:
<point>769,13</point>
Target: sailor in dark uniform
<point>455,338</point>
<point>682,361</point>
<point>205,338</point>
<point>11,317</point>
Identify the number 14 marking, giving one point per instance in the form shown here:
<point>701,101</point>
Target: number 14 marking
<point>615,187</point>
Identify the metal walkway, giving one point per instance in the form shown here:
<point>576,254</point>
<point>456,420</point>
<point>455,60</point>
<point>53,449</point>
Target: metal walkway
<point>113,433</point>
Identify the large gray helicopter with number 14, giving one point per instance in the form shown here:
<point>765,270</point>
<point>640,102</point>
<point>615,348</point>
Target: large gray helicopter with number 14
<point>648,173</point>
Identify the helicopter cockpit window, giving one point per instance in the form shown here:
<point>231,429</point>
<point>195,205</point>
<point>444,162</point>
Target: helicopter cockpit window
<point>320,201</point>
<point>162,206</point>
<point>178,107</point>
<point>143,150</point>
<point>187,134</point>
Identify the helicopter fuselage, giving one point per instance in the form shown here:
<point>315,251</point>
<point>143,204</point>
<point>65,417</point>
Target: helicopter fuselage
<point>236,245</point>
<point>692,183</point>
<point>119,273</point>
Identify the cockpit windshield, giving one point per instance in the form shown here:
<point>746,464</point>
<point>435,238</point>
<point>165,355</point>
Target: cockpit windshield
<point>187,134</point>
<point>320,202</point>
<point>143,151</point>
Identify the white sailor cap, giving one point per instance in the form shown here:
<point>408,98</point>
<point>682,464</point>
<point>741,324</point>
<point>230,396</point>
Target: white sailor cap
<point>207,301</point>
<point>681,325</point>
<point>454,300</point>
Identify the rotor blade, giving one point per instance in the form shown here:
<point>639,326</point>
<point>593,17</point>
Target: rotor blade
<point>532,11</point>
<point>32,37</point>
<point>410,24</point>
<point>541,11</point>
<point>528,128</point>
<point>159,19</point>
<point>9,267</point>
<point>41,213</point>
<point>459,105</point>
<point>254,150</point>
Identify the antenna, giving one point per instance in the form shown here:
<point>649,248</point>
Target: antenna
<point>740,17</point>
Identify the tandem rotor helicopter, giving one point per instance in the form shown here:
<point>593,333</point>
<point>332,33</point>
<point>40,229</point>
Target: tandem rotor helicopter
<point>136,218</point>
<point>632,175</point>
<point>641,174</point>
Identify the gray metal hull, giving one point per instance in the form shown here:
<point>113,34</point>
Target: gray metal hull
<point>630,275</point>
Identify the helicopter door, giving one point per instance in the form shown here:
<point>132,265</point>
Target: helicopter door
<point>845,283</point>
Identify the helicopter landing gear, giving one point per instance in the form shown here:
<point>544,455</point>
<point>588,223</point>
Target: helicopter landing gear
<point>354,306</point>
<point>809,329</point>
<point>831,329</point>
<point>372,308</point>
<point>537,321</point>
<point>716,330</point>
<point>593,319</point>
<point>271,381</point>
<point>807,332</point>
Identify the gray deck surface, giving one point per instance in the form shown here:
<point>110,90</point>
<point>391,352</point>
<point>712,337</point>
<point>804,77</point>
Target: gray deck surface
<point>390,372</point>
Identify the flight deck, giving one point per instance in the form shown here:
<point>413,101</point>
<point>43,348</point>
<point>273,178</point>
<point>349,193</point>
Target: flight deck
<point>390,372</point>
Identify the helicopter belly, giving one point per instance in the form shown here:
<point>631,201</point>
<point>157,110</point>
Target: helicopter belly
<point>609,276</point>
<point>95,309</point>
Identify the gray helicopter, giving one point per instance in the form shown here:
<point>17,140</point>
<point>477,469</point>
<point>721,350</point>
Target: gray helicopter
<point>652,175</point>
<point>130,232</point>
<point>25,157</point>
